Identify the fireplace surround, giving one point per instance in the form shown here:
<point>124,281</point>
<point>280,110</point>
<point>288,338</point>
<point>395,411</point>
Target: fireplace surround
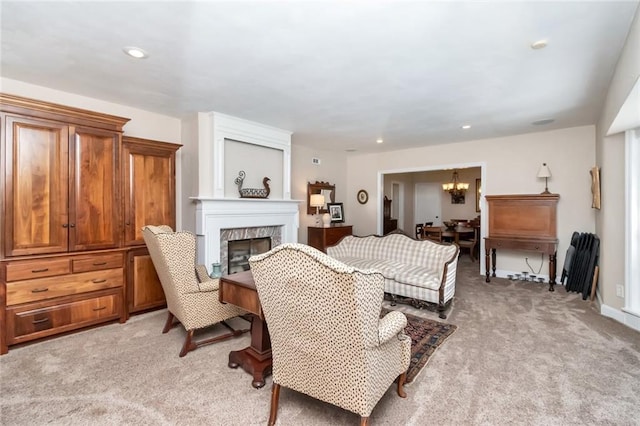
<point>225,145</point>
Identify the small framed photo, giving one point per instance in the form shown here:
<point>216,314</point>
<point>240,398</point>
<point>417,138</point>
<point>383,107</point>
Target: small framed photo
<point>336,212</point>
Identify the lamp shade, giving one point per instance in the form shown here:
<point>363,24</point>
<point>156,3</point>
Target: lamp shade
<point>544,171</point>
<point>316,200</point>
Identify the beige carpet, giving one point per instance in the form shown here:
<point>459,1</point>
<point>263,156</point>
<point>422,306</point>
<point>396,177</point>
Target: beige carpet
<point>521,355</point>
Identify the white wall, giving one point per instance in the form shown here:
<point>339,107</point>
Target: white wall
<point>511,167</point>
<point>332,169</point>
<point>611,158</point>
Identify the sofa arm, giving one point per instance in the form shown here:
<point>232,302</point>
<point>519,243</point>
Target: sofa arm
<point>391,325</point>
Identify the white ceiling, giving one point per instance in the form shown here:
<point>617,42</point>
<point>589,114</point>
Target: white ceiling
<point>337,74</point>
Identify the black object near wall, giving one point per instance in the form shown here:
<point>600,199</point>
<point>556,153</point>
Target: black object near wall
<point>580,263</point>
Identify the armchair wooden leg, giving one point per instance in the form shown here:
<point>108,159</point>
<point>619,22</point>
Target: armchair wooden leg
<point>189,345</point>
<point>275,397</point>
<point>169,324</point>
<point>401,380</point>
<point>364,421</point>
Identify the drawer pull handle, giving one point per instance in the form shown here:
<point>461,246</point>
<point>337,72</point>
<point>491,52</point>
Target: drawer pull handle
<point>99,263</point>
<point>40,321</point>
<point>40,290</point>
<point>98,281</point>
<point>101,308</point>
<point>35,271</point>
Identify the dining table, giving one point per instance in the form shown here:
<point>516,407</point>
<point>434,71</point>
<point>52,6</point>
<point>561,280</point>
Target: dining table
<point>453,234</point>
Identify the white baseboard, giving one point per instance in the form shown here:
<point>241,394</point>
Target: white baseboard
<point>627,318</point>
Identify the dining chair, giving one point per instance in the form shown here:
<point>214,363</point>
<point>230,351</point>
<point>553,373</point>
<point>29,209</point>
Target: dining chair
<point>433,233</point>
<point>470,243</point>
<point>419,231</point>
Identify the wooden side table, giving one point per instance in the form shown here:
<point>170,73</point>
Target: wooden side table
<point>321,238</point>
<point>240,290</point>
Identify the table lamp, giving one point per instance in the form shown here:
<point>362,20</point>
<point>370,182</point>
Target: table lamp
<point>545,173</point>
<point>317,201</point>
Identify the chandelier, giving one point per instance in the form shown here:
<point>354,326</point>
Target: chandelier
<point>455,187</point>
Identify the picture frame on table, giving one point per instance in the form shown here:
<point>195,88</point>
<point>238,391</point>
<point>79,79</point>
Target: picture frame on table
<point>336,212</point>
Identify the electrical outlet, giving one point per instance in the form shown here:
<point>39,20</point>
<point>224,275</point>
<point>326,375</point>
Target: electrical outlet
<point>620,290</point>
<point>315,161</point>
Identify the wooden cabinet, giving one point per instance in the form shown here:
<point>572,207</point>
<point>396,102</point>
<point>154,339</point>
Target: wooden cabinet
<point>525,222</point>
<point>61,262</point>
<point>53,295</point>
<point>149,199</point>
<point>144,290</point>
<point>62,187</point>
<point>321,238</point>
<point>149,175</point>
<point>388,224</point>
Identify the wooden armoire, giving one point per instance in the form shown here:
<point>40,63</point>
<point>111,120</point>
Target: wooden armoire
<point>66,243</point>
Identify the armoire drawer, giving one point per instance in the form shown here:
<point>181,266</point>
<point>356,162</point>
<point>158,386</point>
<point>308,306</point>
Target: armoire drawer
<point>26,270</point>
<point>65,285</point>
<point>37,320</point>
<point>98,262</point>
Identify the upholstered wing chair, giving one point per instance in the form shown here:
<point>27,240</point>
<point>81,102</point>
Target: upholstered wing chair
<point>328,340</point>
<point>192,296</point>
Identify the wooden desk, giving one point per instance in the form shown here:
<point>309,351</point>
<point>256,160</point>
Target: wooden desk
<point>321,238</point>
<point>240,290</point>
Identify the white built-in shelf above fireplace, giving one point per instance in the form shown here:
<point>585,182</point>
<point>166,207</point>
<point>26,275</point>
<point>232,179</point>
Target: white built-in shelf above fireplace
<point>226,145</point>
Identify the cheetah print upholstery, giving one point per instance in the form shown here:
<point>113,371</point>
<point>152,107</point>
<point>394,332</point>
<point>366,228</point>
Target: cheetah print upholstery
<point>423,270</point>
<point>192,297</point>
<point>328,340</point>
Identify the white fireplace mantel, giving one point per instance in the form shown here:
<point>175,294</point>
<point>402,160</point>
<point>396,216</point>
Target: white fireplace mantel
<point>215,214</point>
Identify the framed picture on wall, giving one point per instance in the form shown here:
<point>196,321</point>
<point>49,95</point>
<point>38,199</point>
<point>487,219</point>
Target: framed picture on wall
<point>336,212</point>
<point>595,187</point>
<point>478,193</point>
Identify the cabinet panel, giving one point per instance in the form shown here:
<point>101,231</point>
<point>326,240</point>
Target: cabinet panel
<point>93,190</point>
<point>149,186</point>
<point>97,262</point>
<point>52,287</point>
<point>144,288</point>
<point>40,268</point>
<point>37,320</point>
<point>37,169</point>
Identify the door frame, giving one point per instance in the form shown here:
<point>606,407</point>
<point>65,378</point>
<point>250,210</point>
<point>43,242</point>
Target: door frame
<point>450,166</point>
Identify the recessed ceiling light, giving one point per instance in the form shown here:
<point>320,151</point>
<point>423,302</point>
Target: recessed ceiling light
<point>379,141</point>
<point>135,52</point>
<point>466,126</point>
<point>543,122</point>
<point>350,150</point>
<point>540,44</point>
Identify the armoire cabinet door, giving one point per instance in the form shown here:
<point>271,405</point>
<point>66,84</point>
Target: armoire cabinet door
<point>36,180</point>
<point>149,186</point>
<point>94,190</point>
<point>143,285</point>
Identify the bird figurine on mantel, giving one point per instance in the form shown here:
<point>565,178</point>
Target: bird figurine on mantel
<point>252,192</point>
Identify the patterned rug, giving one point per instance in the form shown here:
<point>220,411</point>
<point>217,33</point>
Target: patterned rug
<point>426,336</point>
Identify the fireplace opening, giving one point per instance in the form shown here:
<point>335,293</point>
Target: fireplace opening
<point>241,250</point>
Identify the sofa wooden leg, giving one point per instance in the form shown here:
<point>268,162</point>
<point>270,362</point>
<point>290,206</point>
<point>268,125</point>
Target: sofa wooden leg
<point>364,421</point>
<point>441,309</point>
<point>275,397</point>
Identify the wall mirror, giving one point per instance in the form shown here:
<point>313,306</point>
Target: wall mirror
<point>324,188</point>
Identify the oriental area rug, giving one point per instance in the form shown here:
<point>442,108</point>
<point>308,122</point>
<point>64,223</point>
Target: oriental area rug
<point>426,336</point>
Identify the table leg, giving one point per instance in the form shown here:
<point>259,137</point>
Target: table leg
<point>255,359</point>
<point>552,271</point>
<point>487,264</point>
<point>493,260</point>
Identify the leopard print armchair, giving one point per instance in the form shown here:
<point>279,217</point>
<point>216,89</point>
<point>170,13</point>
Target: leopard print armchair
<point>192,296</point>
<point>328,340</point>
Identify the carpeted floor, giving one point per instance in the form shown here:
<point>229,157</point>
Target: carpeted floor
<point>520,356</point>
